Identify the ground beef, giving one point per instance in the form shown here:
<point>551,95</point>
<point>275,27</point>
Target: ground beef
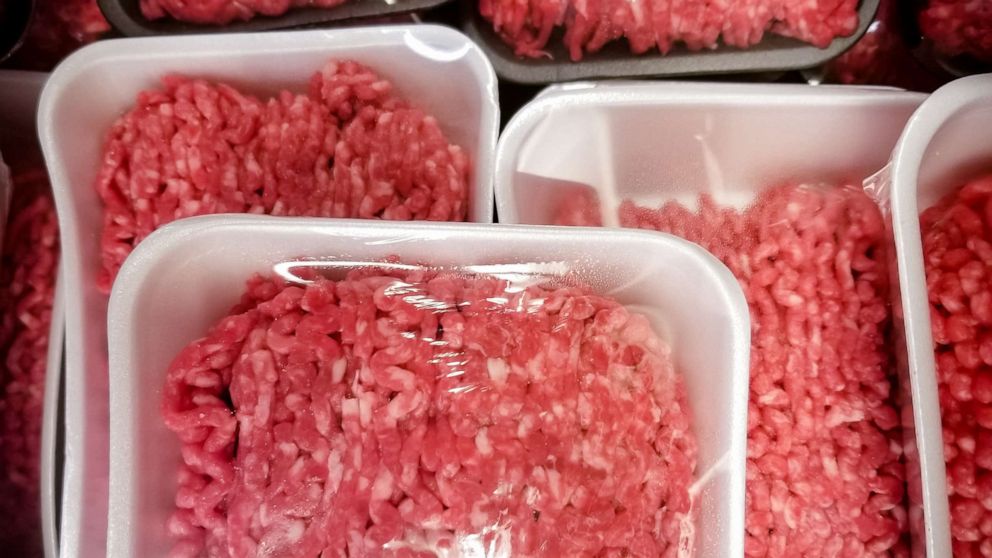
<point>825,475</point>
<point>27,286</point>
<point>957,255</point>
<point>348,148</point>
<point>527,25</point>
<point>429,413</point>
<point>220,12</point>
<point>957,27</point>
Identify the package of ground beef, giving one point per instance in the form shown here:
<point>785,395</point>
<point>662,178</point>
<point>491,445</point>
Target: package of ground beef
<point>57,28</point>
<point>957,256</point>
<point>958,27</point>
<point>347,147</point>
<point>28,267</point>
<point>588,26</point>
<point>220,12</point>
<point>825,473</point>
<point>429,412</point>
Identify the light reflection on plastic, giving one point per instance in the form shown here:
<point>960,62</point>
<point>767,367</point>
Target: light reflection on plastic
<point>433,52</point>
<point>285,269</point>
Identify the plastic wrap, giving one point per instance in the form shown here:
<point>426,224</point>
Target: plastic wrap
<point>738,172</point>
<point>5,190</point>
<point>78,107</point>
<point>446,390</point>
<point>939,194</point>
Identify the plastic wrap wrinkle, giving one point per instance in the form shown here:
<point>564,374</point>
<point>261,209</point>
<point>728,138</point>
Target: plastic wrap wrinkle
<point>489,410</point>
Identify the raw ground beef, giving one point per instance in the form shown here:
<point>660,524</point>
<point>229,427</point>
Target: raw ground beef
<point>430,413</point>
<point>220,12</point>
<point>825,475</point>
<point>959,27</point>
<point>957,252</point>
<point>27,286</point>
<point>348,148</point>
<point>527,25</point>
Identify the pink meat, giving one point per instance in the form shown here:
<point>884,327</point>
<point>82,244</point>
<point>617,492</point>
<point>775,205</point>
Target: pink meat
<point>348,148</point>
<point>957,255</point>
<point>27,286</point>
<point>220,12</point>
<point>959,27</point>
<point>589,25</point>
<point>429,414</point>
<point>825,475</point>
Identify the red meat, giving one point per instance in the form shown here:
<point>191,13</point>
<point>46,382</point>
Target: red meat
<point>957,255</point>
<point>220,12</point>
<point>825,475</point>
<point>57,28</point>
<point>349,148</point>
<point>526,25</point>
<point>425,413</point>
<point>959,27</point>
<point>27,287</point>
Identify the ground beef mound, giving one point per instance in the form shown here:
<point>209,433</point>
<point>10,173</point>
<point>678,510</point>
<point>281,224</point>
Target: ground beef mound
<point>221,12</point>
<point>28,268</point>
<point>348,148</point>
<point>825,475</point>
<point>426,413</point>
<point>528,25</point>
<point>957,27</point>
<point>957,255</point>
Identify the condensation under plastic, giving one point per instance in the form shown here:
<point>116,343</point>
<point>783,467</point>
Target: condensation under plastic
<point>687,297</point>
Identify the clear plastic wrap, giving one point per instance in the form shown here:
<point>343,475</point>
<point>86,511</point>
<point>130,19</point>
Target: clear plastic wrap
<point>940,192</point>
<point>6,188</point>
<point>740,171</point>
<point>78,107</point>
<point>531,396</point>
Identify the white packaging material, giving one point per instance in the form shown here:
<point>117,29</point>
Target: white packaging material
<point>658,142</point>
<point>19,93</point>
<point>435,68</point>
<point>188,274</point>
<point>945,142</point>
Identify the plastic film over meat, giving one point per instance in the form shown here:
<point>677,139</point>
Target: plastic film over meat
<point>390,409</point>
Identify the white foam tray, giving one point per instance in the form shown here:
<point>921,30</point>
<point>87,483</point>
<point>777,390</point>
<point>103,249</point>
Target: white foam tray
<point>187,275</point>
<point>655,142</point>
<point>944,144</point>
<point>436,68</point>
<point>19,93</point>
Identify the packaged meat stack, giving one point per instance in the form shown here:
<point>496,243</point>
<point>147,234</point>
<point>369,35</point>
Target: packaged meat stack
<point>740,172</point>
<point>940,194</point>
<point>352,124</point>
<point>442,391</point>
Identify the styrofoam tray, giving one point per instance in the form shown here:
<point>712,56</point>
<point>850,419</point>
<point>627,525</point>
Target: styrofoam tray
<point>945,142</point>
<point>19,93</point>
<point>188,274</point>
<point>655,142</point>
<point>436,68</point>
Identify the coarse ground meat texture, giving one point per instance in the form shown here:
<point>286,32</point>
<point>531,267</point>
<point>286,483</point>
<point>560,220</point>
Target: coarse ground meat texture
<point>959,27</point>
<point>348,148</point>
<point>27,286</point>
<point>528,25</point>
<point>957,255</point>
<point>220,12</point>
<point>825,475</point>
<point>430,413</point>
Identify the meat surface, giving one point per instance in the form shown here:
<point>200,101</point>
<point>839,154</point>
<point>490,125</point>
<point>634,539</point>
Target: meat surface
<point>957,255</point>
<point>959,27</point>
<point>349,147</point>
<point>28,268</point>
<point>430,413</point>
<point>220,12</point>
<point>527,25</point>
<point>825,475</point>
